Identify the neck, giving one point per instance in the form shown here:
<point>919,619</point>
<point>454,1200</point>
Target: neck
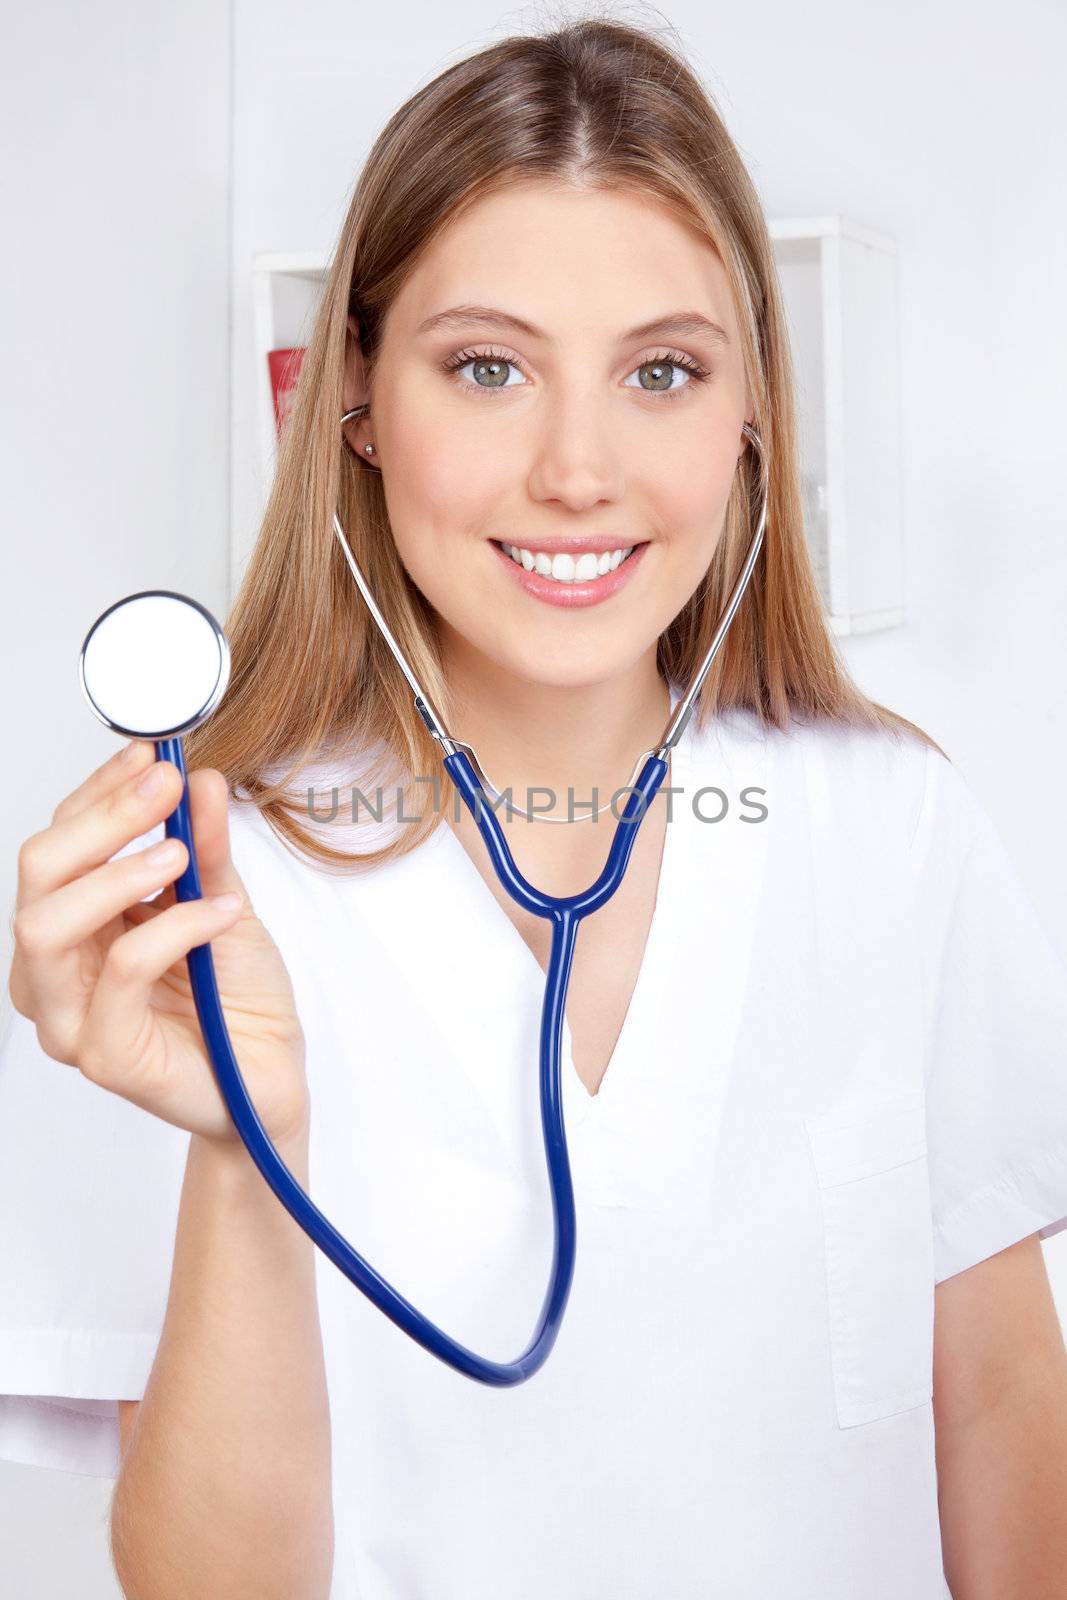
<point>569,740</point>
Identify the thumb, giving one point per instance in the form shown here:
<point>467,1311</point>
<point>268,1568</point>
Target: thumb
<point>209,814</point>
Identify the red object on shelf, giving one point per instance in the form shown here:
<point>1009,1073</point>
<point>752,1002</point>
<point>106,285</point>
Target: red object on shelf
<point>284,375</point>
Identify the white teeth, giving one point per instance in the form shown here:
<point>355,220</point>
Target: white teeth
<point>566,568</point>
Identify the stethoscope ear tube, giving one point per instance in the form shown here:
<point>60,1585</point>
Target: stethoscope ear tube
<point>682,711</point>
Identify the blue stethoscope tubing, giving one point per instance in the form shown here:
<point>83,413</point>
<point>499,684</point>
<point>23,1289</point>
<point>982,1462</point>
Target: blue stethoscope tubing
<point>564,912</point>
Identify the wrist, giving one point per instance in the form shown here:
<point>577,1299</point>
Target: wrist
<point>231,1157</point>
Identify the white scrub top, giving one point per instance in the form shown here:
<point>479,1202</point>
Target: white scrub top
<point>840,1081</point>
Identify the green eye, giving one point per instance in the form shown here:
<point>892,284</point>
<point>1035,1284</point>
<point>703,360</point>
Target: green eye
<point>492,369</point>
<point>490,372</point>
<point>661,371</point>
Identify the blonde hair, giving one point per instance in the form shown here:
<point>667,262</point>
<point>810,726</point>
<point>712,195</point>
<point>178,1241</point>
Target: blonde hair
<point>596,103</point>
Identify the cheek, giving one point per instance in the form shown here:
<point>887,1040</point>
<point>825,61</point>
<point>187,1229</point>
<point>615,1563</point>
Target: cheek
<point>444,496</point>
<point>693,478</point>
<point>441,486</point>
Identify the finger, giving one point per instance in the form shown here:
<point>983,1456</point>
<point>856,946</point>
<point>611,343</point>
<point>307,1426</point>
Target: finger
<point>91,836</point>
<point>126,762</point>
<point>118,1019</point>
<point>209,811</point>
<point>142,910</point>
<point>56,923</point>
<point>46,981</point>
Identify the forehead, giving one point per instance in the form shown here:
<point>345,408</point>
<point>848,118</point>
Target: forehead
<point>568,260</point>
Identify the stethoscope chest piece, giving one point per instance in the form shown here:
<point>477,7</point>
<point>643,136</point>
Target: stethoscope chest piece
<point>154,665</point>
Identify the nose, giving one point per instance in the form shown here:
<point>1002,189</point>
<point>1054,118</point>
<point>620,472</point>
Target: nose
<point>576,462</point>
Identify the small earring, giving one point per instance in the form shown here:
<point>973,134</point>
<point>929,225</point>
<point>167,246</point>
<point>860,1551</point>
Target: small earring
<point>368,449</point>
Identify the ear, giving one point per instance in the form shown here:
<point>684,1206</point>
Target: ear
<point>750,418</point>
<point>354,393</point>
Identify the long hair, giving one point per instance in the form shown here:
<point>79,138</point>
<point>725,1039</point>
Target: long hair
<point>595,103</point>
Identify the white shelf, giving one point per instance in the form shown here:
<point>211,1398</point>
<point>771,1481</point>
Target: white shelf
<point>839,284</point>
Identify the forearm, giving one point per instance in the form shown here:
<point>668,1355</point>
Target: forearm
<point>225,1488</point>
<point>1002,1493</point>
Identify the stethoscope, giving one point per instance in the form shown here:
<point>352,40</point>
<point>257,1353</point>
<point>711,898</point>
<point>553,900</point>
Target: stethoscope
<point>155,665</point>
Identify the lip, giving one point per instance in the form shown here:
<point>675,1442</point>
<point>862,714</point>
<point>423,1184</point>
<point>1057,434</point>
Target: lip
<point>560,544</point>
<point>588,593</point>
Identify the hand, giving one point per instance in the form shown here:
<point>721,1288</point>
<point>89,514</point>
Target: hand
<point>104,976</point>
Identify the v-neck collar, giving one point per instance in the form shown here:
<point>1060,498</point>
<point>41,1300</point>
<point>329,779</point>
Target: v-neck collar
<point>470,969</point>
<point>497,929</point>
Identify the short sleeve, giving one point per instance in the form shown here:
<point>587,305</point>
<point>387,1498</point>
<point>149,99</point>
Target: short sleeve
<point>89,1192</point>
<point>996,1070</point>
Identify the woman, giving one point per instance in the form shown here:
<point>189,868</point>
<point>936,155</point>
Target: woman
<point>811,1083</point>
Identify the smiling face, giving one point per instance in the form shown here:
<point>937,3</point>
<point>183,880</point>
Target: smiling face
<point>585,432</point>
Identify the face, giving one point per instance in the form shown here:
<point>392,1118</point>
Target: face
<point>568,439</point>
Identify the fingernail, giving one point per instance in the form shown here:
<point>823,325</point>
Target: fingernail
<point>226,902</point>
<point>161,854</point>
<point>128,752</point>
<point>152,782</point>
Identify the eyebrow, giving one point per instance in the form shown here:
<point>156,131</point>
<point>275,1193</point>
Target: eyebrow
<point>678,323</point>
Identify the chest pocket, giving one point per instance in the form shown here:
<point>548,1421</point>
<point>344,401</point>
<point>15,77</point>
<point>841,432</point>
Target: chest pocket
<point>870,1162</point>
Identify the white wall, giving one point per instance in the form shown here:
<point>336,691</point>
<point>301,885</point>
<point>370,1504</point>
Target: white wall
<point>941,125</point>
<point>115,193</point>
<point>114,155</point>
